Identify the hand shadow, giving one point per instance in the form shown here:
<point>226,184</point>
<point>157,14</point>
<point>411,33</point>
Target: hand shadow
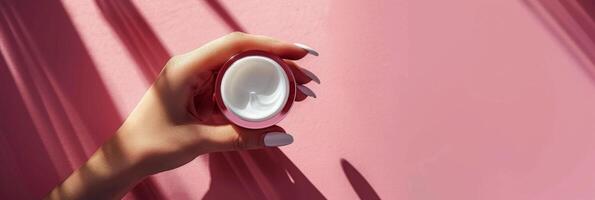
<point>361,186</point>
<point>258,174</point>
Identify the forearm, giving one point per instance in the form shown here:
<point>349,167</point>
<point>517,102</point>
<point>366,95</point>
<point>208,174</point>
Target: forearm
<point>108,174</point>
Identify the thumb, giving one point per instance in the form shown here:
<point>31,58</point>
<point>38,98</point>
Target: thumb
<point>230,138</point>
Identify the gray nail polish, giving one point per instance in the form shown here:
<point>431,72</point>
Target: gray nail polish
<point>307,91</point>
<point>310,75</point>
<point>275,139</point>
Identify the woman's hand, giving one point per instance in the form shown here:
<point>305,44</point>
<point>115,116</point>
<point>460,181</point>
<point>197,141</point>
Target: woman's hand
<point>176,121</point>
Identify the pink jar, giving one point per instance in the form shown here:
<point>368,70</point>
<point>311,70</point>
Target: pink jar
<point>255,89</point>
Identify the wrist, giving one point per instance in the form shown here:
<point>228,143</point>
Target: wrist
<point>108,174</point>
<point>120,158</point>
<point>112,169</point>
<point>113,162</point>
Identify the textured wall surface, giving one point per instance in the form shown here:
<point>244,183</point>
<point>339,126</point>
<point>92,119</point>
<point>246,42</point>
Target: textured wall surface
<point>462,99</point>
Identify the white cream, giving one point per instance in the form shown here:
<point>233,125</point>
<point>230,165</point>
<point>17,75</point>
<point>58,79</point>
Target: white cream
<point>255,88</point>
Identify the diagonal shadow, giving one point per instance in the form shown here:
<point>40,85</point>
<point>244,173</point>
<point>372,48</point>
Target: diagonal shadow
<point>360,185</point>
<point>231,179</point>
<point>257,174</point>
<point>576,19</point>
<point>57,104</point>
<point>135,33</point>
<point>66,111</point>
<point>224,15</point>
<point>37,88</point>
<point>21,149</point>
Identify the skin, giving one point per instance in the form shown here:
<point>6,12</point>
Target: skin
<point>174,122</point>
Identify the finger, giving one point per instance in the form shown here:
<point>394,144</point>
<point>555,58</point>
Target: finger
<point>299,96</point>
<point>230,138</point>
<point>302,75</point>
<point>212,55</point>
<point>305,90</point>
<point>309,49</point>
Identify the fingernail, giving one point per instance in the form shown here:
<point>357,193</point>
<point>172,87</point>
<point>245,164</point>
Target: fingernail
<point>275,139</point>
<point>310,75</point>
<point>307,91</point>
<point>310,50</point>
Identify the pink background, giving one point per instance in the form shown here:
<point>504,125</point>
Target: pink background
<point>462,99</point>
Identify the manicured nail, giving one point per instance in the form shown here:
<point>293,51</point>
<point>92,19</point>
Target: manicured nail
<point>307,91</point>
<point>275,139</point>
<point>310,75</point>
<point>310,50</point>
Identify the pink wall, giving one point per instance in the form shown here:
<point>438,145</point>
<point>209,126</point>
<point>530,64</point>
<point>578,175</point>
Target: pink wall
<point>460,99</point>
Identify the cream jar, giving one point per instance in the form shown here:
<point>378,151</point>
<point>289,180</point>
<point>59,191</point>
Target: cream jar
<point>255,89</point>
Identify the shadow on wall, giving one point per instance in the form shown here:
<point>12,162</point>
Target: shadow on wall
<point>224,15</point>
<point>257,174</point>
<point>576,21</point>
<point>360,185</point>
<point>134,32</point>
<point>21,149</point>
<point>59,109</point>
<point>55,109</point>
